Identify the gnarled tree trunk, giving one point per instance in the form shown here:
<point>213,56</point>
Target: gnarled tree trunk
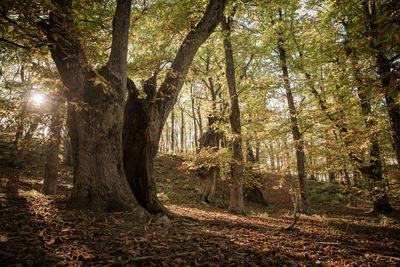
<point>145,118</point>
<point>95,125</point>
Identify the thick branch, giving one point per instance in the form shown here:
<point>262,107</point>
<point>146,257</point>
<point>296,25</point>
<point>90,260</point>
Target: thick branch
<point>119,46</point>
<point>170,88</point>
<point>66,50</point>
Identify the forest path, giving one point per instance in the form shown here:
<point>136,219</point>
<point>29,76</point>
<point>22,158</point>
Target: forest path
<point>38,230</point>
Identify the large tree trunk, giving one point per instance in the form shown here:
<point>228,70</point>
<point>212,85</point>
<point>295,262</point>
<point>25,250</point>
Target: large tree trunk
<point>236,203</point>
<point>95,126</point>
<point>53,148</point>
<point>142,130</point>
<point>210,140</point>
<point>145,118</point>
<point>373,172</point>
<point>297,137</point>
<point>99,178</point>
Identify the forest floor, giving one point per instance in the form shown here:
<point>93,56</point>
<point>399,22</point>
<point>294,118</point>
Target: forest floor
<point>36,230</point>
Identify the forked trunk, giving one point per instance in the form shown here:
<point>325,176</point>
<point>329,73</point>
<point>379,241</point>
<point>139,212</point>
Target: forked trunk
<point>96,125</point>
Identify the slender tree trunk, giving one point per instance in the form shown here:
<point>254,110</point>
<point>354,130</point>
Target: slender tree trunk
<point>236,203</point>
<point>352,199</point>
<point>200,121</point>
<point>173,130</point>
<point>182,131</point>
<point>258,152</point>
<point>193,116</point>
<point>53,148</point>
<point>20,120</point>
<point>298,139</point>
<point>22,151</point>
<point>272,157</point>
<point>331,177</point>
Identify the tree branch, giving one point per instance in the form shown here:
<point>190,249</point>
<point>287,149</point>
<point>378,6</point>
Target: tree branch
<point>119,47</point>
<point>14,44</point>
<point>170,88</point>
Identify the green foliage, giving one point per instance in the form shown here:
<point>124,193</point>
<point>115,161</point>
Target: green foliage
<point>328,193</point>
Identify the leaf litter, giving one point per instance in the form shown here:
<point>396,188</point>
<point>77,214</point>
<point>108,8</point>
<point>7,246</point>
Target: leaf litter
<point>39,230</point>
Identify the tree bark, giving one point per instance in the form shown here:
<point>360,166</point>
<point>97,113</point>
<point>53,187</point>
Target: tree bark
<point>208,176</point>
<point>104,177</point>
<point>173,130</point>
<point>352,199</point>
<point>297,138</point>
<point>236,203</point>
<point>182,149</point>
<point>194,117</point>
<point>372,170</point>
<point>257,158</point>
<point>95,125</point>
<point>53,148</point>
<point>145,118</point>
<point>20,153</point>
<point>67,150</point>
<point>200,121</point>
<point>386,75</point>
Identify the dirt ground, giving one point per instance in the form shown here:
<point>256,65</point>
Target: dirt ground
<point>36,230</point>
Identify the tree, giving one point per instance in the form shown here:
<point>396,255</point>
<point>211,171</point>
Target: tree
<point>297,136</point>
<point>144,118</point>
<point>236,203</point>
<point>104,124</point>
<point>52,151</point>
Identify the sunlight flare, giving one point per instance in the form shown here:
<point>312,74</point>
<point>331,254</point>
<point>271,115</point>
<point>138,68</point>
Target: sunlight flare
<point>38,99</point>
